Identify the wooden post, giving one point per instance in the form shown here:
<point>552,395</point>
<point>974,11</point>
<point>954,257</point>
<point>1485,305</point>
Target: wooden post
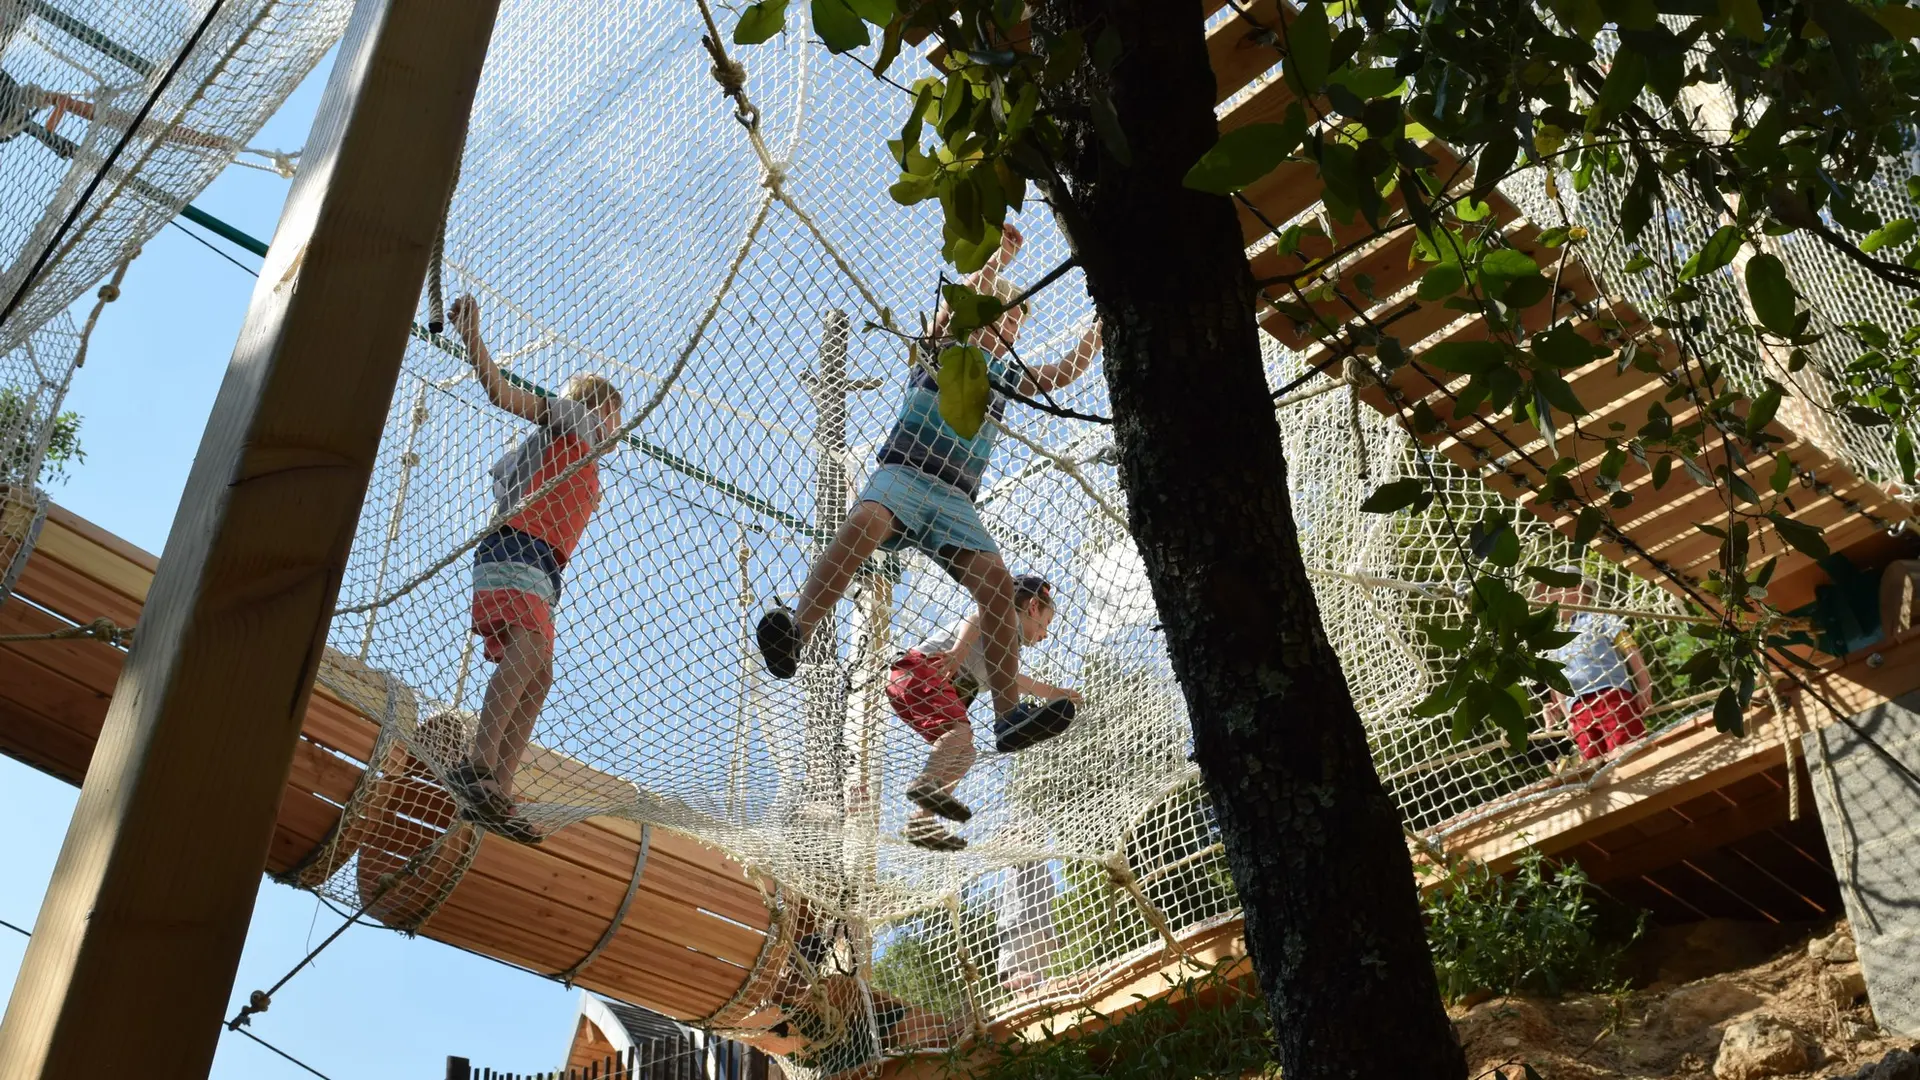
<point>824,746</point>
<point>459,1068</point>
<point>151,896</point>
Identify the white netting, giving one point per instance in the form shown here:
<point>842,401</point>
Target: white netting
<point>598,220</point>
<point>73,78</point>
<point>613,217</point>
<point>33,382</point>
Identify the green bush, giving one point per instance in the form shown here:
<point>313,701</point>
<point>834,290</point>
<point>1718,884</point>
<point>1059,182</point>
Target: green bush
<point>1536,931</point>
<point>1225,1038</point>
<point>19,431</point>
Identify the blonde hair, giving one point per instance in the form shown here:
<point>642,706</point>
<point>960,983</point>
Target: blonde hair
<point>591,390</point>
<point>1005,290</point>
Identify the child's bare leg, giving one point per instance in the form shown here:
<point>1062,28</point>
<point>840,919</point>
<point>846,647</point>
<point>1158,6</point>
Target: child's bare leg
<point>526,662</point>
<point>867,526</point>
<point>948,763</point>
<point>513,742</point>
<point>985,575</point>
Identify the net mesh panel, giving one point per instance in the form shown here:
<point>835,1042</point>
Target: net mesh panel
<point>34,376</point>
<point>596,220</point>
<point>73,77</point>
<point>612,217</point>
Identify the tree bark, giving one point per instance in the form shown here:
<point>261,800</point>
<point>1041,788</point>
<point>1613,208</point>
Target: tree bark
<point>1315,846</point>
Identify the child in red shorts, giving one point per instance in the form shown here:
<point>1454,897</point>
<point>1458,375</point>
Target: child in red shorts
<point>930,688</point>
<point>517,568</point>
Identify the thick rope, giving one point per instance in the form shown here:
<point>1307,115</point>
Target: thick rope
<point>102,629</point>
<point>598,450</point>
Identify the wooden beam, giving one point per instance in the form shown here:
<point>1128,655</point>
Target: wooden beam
<point>156,881</point>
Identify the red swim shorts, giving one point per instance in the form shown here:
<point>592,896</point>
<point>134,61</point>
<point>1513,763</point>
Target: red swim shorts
<point>928,703</point>
<point>495,611</point>
<point>1605,720</point>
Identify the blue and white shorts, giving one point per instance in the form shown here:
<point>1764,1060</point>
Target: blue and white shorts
<point>933,515</point>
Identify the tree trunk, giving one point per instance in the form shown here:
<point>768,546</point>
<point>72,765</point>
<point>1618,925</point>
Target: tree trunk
<point>1316,848</point>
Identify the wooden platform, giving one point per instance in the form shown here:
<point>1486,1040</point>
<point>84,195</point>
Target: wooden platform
<point>695,927</point>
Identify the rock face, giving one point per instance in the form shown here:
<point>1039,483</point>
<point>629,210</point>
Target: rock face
<point>1898,1065</point>
<point>1700,1006</point>
<point>1759,1047</point>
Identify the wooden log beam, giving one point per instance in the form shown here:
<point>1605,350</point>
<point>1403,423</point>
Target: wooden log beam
<point>156,881</point>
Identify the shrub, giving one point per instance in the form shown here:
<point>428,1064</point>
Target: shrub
<point>1534,931</point>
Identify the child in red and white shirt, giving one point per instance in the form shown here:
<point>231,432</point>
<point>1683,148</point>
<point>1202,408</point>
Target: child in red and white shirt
<point>931,687</point>
<point>517,567</point>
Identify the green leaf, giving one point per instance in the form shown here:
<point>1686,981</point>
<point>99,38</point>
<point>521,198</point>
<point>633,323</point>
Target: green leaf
<point>1588,526</point>
<point>1727,714</point>
<point>760,22</point>
<point>1398,495</point>
<point>1557,578</point>
<point>1719,250</point>
<point>1771,293</point>
<point>1506,548</point>
<point>1106,49</point>
<point>1638,263</point>
<point>1903,449</point>
<point>1782,477</point>
<point>838,26</point>
<point>1562,348</point>
<point>1246,154</point>
<point>1900,20</point>
<point>964,393</point>
<point>1760,413</point>
<point>1310,46</point>
<point>877,12</point>
<point>1804,538</point>
<point>1892,234</point>
<point>1466,357</point>
<point>1505,264</point>
<point>1847,24</point>
<point>1624,83</point>
<point>1106,122</point>
<point>1441,282</point>
<point>1524,292</point>
<point>1746,18</point>
<point>910,189</point>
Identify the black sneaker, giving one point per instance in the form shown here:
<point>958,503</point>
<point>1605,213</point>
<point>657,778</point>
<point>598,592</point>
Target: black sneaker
<point>1028,724</point>
<point>935,801</point>
<point>779,641</point>
<point>926,833</point>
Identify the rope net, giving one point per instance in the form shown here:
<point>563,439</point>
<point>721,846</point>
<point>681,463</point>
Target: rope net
<point>613,218</point>
<point>75,76</point>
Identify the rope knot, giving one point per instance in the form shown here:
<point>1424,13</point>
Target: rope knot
<point>109,293</point>
<point>731,74</point>
<point>1358,372</point>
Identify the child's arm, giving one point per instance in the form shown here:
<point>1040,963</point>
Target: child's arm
<point>1046,691</point>
<point>982,279</point>
<point>949,661</point>
<point>1642,678</point>
<point>1553,711</point>
<point>1053,376</point>
<point>522,403</point>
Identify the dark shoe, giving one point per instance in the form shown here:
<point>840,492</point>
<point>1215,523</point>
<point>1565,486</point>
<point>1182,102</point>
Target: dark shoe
<point>923,832</point>
<point>930,798</point>
<point>779,641</point>
<point>510,825</point>
<point>483,803</point>
<point>1028,724</point>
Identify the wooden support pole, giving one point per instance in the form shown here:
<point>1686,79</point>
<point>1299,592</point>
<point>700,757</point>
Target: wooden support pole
<point>152,893</point>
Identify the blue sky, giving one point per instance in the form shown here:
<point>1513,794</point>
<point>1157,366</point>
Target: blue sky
<point>375,1004</point>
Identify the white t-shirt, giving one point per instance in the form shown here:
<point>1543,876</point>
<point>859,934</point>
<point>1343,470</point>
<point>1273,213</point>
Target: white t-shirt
<point>970,677</point>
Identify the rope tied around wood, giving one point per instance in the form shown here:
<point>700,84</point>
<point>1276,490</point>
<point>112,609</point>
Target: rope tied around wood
<point>102,629</point>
